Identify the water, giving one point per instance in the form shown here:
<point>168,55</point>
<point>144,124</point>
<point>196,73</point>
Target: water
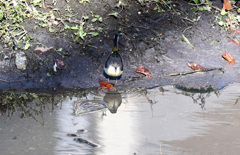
<point>153,122</point>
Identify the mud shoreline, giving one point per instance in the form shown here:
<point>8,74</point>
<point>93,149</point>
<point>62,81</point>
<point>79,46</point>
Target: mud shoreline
<point>148,38</point>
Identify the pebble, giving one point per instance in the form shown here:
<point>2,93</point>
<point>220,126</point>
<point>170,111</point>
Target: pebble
<point>21,61</point>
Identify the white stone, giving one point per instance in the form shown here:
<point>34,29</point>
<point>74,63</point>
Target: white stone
<point>21,61</point>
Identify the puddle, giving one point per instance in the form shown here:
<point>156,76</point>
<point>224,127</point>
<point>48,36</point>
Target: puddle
<point>154,121</point>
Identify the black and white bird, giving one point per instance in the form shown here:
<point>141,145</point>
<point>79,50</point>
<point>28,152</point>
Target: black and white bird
<point>113,68</point>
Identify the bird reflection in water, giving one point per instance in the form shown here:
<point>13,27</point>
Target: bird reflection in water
<point>113,100</point>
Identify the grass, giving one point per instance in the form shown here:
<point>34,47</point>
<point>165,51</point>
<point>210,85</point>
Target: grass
<point>14,14</point>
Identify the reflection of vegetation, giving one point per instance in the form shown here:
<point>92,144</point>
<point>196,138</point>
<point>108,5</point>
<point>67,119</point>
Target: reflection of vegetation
<point>33,104</point>
<point>200,98</point>
<point>28,104</point>
<point>195,90</point>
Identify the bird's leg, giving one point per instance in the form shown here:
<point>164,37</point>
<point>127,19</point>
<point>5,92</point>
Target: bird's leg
<point>116,82</point>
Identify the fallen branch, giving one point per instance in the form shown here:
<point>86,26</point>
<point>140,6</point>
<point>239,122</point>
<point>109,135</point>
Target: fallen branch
<point>11,81</point>
<point>201,70</point>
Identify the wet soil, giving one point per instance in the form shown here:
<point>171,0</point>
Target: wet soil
<point>148,38</point>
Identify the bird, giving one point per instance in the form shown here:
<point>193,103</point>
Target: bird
<point>113,67</point>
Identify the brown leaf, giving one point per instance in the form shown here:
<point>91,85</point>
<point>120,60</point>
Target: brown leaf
<point>42,79</point>
<point>232,29</point>
<point>59,63</point>
<point>235,41</point>
<point>195,66</point>
<point>41,50</point>
<point>229,58</point>
<point>227,20</point>
<point>105,85</point>
<point>226,5</point>
<point>143,70</point>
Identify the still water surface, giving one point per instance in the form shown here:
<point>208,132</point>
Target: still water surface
<point>152,122</point>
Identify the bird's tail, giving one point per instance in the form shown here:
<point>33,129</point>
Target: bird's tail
<point>115,43</point>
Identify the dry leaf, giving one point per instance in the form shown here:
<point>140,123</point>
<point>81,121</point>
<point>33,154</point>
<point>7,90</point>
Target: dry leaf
<point>143,70</point>
<point>228,57</point>
<point>105,85</point>
<point>227,20</point>
<point>226,5</point>
<point>195,66</point>
<point>42,79</point>
<point>232,29</point>
<point>41,50</point>
<point>59,63</point>
<point>235,41</point>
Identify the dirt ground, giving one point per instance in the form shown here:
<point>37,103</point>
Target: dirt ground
<point>148,37</point>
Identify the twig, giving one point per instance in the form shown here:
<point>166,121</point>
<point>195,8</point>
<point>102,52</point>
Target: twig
<point>2,32</point>
<point>188,19</point>
<point>185,38</point>
<point>43,4</point>
<point>11,81</point>
<point>206,4</point>
<point>201,70</point>
<point>214,7</point>
<point>187,29</point>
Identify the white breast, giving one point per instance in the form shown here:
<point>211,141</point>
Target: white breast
<point>111,71</point>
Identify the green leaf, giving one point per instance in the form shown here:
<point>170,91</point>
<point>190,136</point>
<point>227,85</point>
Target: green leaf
<point>203,8</point>
<point>66,27</point>
<point>30,37</point>
<point>196,1</point>
<point>24,96</point>
<point>48,74</point>
<point>1,15</point>
<point>44,25</point>
<point>16,7</point>
<point>59,49</point>
<point>34,95</point>
<point>100,29</point>
<point>100,19</point>
<point>121,3</point>
<point>213,42</point>
<point>97,16</point>
<point>27,45</point>
<point>50,29</point>
<point>85,17</point>
<point>221,23</point>
<point>94,33</point>
<point>223,12</point>
<point>55,9</point>
<point>115,14</point>
<point>74,28</point>
<point>94,19</point>
<point>82,34</point>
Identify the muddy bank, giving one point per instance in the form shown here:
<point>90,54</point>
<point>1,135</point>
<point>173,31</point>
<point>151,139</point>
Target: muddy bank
<point>148,37</point>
